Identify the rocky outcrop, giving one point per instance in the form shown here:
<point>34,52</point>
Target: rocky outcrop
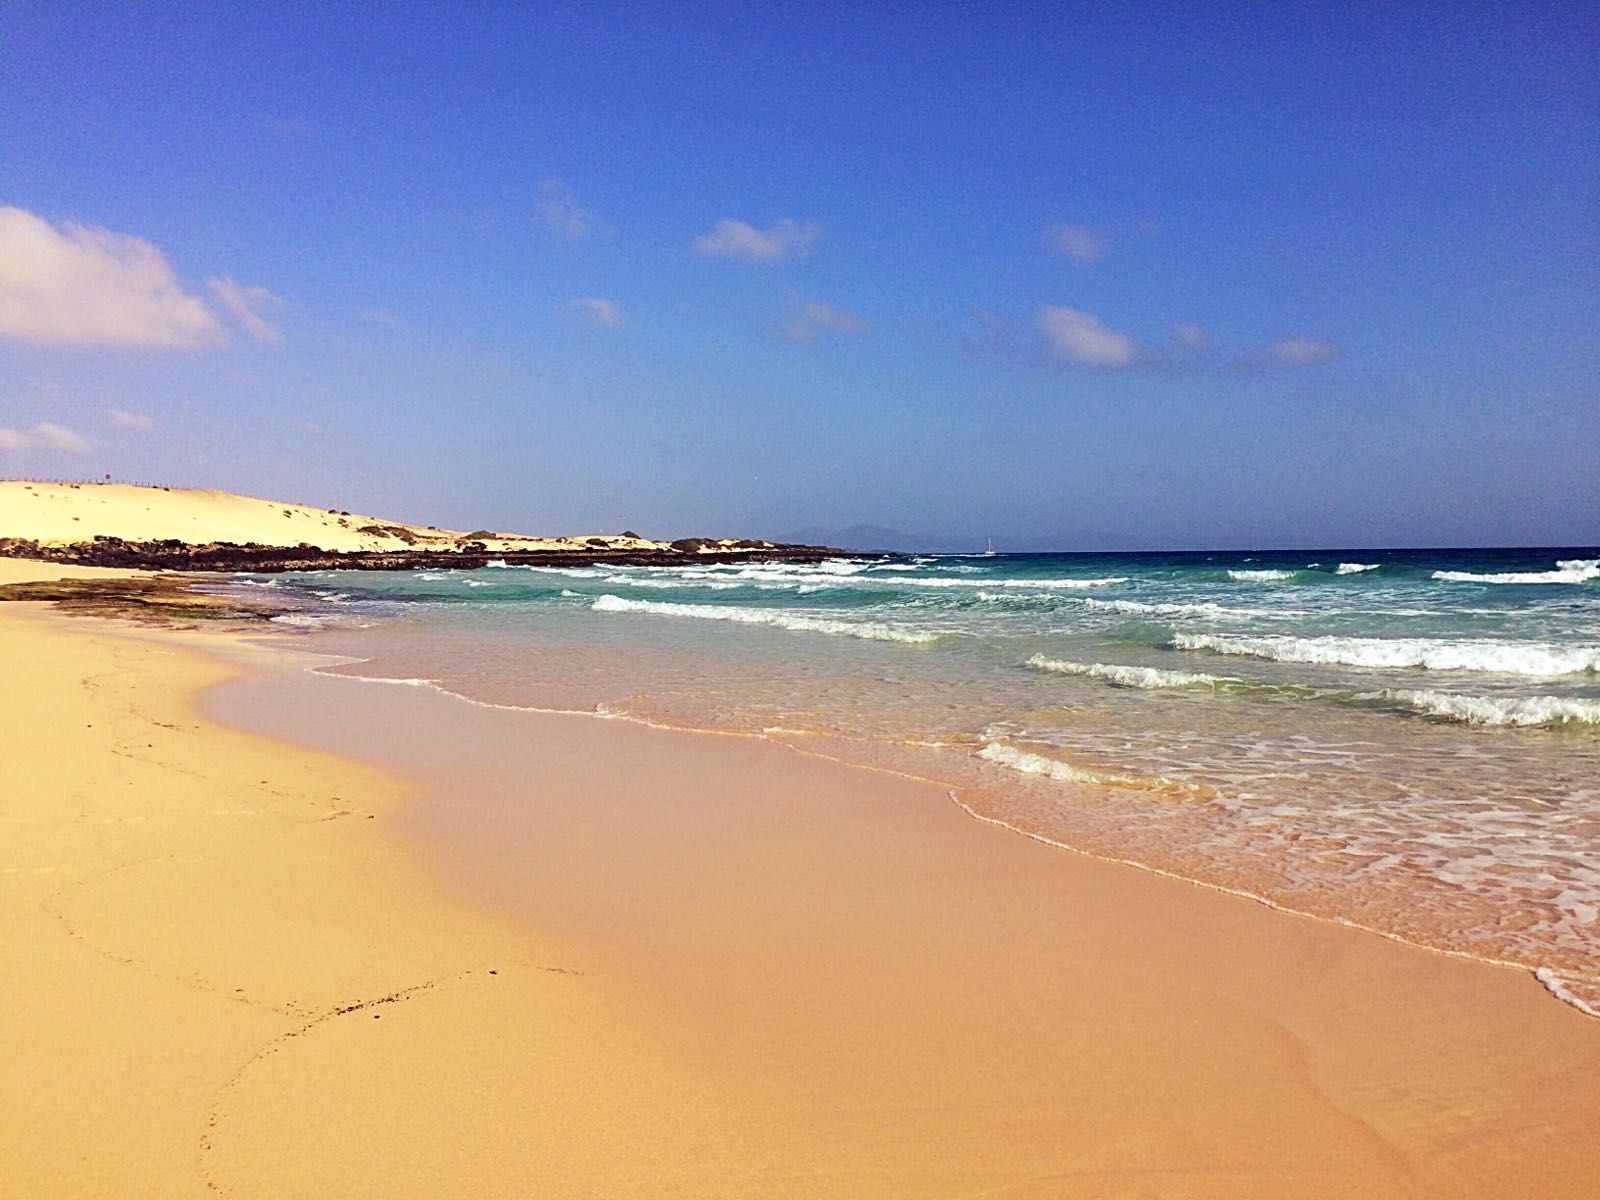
<point>175,555</point>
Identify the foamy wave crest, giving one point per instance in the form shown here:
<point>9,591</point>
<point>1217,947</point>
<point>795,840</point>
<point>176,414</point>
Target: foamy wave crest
<point>1047,584</point>
<point>1560,989</point>
<point>1035,764</point>
<point>870,630</point>
<point>1172,608</point>
<point>645,581</point>
<point>1434,654</point>
<point>573,572</point>
<point>1568,570</point>
<point>1137,677</point>
<point>1260,576</point>
<point>1498,710</point>
<point>1355,568</point>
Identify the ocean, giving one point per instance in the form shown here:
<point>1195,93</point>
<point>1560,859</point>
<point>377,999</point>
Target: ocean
<point>1403,740</point>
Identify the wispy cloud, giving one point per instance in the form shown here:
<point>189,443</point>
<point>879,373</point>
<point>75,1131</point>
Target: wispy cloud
<point>1192,336</point>
<point>599,311</point>
<point>786,238</point>
<point>80,285</point>
<point>559,207</point>
<point>1293,352</point>
<point>1076,241</point>
<point>818,318</point>
<point>1079,337</point>
<point>247,304</point>
<point>128,420</point>
<point>46,435</point>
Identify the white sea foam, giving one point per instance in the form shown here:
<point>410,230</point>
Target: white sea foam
<point>1558,988</point>
<point>1137,677</point>
<point>572,572</point>
<point>1260,576</point>
<point>1568,570</point>
<point>643,581</point>
<point>870,630</point>
<point>1035,764</point>
<point>1434,654</point>
<point>1355,568</point>
<point>1171,608</point>
<point>1045,584</point>
<point>1499,710</point>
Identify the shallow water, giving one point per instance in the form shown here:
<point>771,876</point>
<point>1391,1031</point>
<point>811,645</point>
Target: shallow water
<point>1407,740</point>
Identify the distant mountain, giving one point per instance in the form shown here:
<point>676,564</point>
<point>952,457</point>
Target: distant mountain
<point>876,537</point>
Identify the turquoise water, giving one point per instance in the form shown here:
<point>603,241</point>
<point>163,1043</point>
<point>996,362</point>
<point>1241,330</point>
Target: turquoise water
<point>1405,740</point>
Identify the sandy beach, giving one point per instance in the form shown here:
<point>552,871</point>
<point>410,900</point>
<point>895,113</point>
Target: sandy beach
<point>540,954</point>
<point>685,602</point>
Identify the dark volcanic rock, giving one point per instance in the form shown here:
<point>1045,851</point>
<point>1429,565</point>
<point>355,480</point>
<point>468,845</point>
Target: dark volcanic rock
<point>173,555</point>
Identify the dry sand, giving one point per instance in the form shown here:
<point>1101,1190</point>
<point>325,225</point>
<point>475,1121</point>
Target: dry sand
<point>600,960</point>
<point>61,513</point>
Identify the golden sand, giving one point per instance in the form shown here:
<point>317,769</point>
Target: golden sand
<point>600,960</point>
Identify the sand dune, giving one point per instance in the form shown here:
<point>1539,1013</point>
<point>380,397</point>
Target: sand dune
<point>64,513</point>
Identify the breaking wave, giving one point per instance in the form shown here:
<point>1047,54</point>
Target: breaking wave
<point>1264,576</point>
<point>1047,584</point>
<point>1137,677</point>
<point>1355,568</point>
<point>1434,654</point>
<point>1569,570</point>
<point>870,630</point>
<point>1036,764</point>
<point>1499,710</point>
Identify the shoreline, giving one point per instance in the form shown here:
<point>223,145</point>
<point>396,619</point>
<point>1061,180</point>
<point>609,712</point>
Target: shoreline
<point>737,973</point>
<point>1548,979</point>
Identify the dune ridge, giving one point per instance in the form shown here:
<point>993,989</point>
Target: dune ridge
<point>57,515</point>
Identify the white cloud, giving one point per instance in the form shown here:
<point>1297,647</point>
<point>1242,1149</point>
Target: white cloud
<point>599,311</point>
<point>1080,337</point>
<point>247,304</point>
<point>1076,242</point>
<point>44,436</point>
<point>1296,352</point>
<point>737,239</point>
<point>819,318</point>
<point>561,211</point>
<point>78,285</point>
<point>1191,335</point>
<point>58,437</point>
<point>128,420</point>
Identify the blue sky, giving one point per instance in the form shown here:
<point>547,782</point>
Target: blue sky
<point>1070,276</point>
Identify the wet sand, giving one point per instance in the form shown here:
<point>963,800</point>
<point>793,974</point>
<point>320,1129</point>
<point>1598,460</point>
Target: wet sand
<point>896,999</point>
<point>404,946</point>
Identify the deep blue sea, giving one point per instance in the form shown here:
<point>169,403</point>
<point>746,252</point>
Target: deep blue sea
<point>1406,740</point>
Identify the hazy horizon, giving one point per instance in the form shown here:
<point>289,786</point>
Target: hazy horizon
<point>1168,278</point>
